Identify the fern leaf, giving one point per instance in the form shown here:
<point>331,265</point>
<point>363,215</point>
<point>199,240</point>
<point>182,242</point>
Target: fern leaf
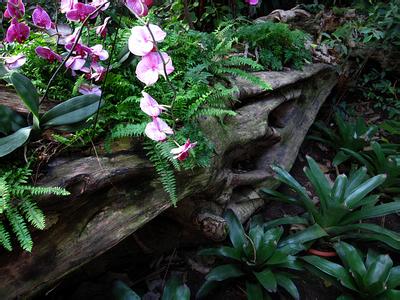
<point>4,194</point>
<point>5,240</point>
<point>40,190</point>
<point>20,229</point>
<point>33,214</point>
<point>128,130</point>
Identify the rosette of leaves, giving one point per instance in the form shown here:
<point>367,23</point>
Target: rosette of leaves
<point>351,135</point>
<point>68,115</point>
<point>381,159</point>
<point>263,257</point>
<point>371,278</point>
<point>342,205</point>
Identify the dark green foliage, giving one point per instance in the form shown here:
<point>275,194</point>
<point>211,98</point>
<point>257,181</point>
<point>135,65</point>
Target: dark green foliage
<point>278,45</point>
<point>381,159</point>
<point>263,256</point>
<point>341,205</point>
<point>18,207</point>
<point>351,135</point>
<point>372,277</point>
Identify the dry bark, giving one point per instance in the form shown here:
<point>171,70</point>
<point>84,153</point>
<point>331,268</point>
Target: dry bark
<point>112,196</point>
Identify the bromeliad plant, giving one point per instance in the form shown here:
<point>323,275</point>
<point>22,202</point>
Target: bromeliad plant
<point>342,205</point>
<point>67,116</point>
<point>263,256</point>
<point>351,135</point>
<point>372,277</point>
<point>381,159</point>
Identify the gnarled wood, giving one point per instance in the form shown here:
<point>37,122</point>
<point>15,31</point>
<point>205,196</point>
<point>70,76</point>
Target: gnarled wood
<point>112,196</point>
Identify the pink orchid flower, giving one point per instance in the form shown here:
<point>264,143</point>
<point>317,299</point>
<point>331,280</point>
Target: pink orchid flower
<point>41,18</point>
<point>47,53</point>
<point>151,67</point>
<point>98,72</point>
<point>75,63</point>
<point>80,12</point>
<point>79,49</point>
<point>98,53</point>
<point>17,32</point>
<point>89,89</point>
<point>138,7</point>
<point>14,62</point>
<point>15,9</point>
<point>251,2</point>
<point>182,152</point>
<point>98,3</point>
<point>141,42</point>
<point>150,106</point>
<point>67,5</point>
<point>102,29</point>
<point>157,130</point>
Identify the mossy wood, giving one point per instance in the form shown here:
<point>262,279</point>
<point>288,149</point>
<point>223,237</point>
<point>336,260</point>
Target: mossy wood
<point>114,195</point>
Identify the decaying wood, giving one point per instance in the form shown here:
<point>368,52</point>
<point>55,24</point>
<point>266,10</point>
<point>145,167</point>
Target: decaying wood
<point>112,196</point>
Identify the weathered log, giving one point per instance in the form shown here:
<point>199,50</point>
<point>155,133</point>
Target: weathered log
<point>112,196</point>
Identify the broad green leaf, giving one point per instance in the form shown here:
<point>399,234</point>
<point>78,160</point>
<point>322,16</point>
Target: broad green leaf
<point>283,176</point>
<point>206,288</point>
<point>224,251</point>
<point>13,141</point>
<point>319,182</point>
<point>390,295</point>
<point>275,195</point>
<point>121,291</point>
<point>309,234</point>
<point>236,231</point>
<point>332,269</point>
<point>175,290</point>
<point>10,120</point>
<point>351,260</point>
<point>340,158</point>
<point>339,188</point>
<point>224,272</point>
<point>355,179</point>
<point>267,279</point>
<point>285,221</point>
<point>256,235</point>
<point>353,200</point>
<point>254,291</point>
<point>72,111</point>
<point>285,282</point>
<point>372,256</point>
<point>269,244</point>
<point>358,157</point>
<point>394,278</point>
<point>372,212</point>
<point>375,237</point>
<point>378,273</point>
<point>28,93</point>
<point>182,293</point>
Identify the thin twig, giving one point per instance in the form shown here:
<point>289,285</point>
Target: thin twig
<point>78,36</point>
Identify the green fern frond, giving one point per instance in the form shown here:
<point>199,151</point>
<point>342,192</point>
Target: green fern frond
<point>246,76</point>
<point>127,130</point>
<point>40,190</point>
<point>164,149</point>
<point>5,240</point>
<point>241,61</point>
<point>20,229</point>
<point>214,112</point>
<point>5,195</point>
<point>33,214</point>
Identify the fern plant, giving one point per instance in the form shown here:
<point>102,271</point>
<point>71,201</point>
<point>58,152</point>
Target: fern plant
<point>17,206</point>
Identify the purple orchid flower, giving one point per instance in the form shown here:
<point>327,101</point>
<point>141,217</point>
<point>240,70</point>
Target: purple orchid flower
<point>151,67</point>
<point>98,3</point>
<point>98,53</point>
<point>80,12</point>
<point>14,62</point>
<point>102,29</point>
<point>80,49</point>
<point>90,89</point>
<point>157,130</point>
<point>98,72</point>
<point>17,32</point>
<point>15,9</point>
<point>150,106</point>
<point>41,18</point>
<point>182,152</point>
<point>137,7</point>
<point>251,2</point>
<point>75,63</point>
<point>67,5</point>
<point>141,42</point>
<point>47,53</point>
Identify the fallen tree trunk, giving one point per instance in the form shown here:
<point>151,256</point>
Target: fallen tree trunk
<point>112,196</point>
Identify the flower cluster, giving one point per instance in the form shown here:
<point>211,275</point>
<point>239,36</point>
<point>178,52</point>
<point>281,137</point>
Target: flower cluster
<point>83,58</point>
<point>143,42</point>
